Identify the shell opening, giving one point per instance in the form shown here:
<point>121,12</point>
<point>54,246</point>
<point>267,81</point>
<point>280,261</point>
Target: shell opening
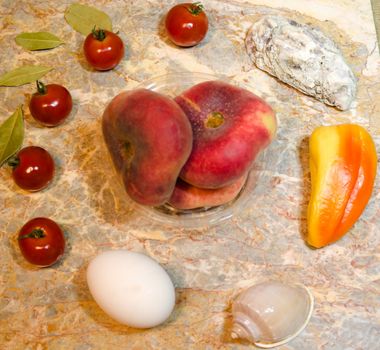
<point>243,328</point>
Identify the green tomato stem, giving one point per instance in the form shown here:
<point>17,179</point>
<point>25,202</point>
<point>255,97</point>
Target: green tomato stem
<point>14,161</point>
<point>195,9</point>
<point>36,233</point>
<point>99,34</point>
<point>41,88</point>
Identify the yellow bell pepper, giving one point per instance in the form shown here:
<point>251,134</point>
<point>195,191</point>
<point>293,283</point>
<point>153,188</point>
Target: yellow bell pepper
<point>343,164</point>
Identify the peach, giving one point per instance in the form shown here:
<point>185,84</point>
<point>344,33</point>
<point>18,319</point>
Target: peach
<point>149,139</point>
<point>186,196</point>
<point>230,126</point>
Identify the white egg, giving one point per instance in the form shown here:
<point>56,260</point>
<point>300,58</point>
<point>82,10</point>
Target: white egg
<point>132,288</point>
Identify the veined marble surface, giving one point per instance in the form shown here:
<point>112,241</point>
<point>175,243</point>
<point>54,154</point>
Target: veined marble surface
<point>51,308</point>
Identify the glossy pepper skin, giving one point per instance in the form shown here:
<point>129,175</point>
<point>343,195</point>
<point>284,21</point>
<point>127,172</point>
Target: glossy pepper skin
<point>343,165</point>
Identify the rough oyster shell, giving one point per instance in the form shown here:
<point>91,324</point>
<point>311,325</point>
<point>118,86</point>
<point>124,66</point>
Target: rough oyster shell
<point>303,57</point>
<point>271,313</point>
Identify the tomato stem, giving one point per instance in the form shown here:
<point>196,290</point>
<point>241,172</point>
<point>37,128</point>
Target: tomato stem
<point>196,8</point>
<point>36,233</point>
<point>13,161</point>
<point>99,34</point>
<point>41,88</point>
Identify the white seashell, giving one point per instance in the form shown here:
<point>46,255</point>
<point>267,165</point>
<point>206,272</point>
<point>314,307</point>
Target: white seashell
<point>303,57</point>
<point>272,313</point>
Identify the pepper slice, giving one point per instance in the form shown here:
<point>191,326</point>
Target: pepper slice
<point>343,164</point>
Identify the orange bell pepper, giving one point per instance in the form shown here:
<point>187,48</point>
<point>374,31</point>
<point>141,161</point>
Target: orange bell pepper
<point>343,164</point>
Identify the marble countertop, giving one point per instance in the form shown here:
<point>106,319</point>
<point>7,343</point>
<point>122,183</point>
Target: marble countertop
<point>51,308</point>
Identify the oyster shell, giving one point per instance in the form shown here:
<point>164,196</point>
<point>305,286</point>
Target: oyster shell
<point>303,57</point>
<point>271,313</point>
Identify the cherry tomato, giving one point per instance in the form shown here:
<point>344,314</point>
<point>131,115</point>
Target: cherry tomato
<point>103,49</point>
<point>41,241</point>
<point>33,168</point>
<point>186,24</point>
<point>51,104</point>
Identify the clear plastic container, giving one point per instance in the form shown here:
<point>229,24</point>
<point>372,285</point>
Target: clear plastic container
<point>172,85</point>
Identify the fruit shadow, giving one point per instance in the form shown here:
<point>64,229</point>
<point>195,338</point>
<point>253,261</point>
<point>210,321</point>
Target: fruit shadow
<point>106,193</point>
<point>304,156</point>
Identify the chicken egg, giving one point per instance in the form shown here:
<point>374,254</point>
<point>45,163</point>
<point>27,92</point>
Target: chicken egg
<point>131,288</point>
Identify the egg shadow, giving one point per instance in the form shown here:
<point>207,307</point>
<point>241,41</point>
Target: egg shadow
<point>303,157</point>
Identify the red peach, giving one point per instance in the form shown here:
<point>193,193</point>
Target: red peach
<point>231,126</point>
<point>149,138</point>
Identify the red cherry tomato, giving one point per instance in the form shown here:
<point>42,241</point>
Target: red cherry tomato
<point>103,49</point>
<point>41,241</point>
<point>186,24</point>
<point>33,168</point>
<point>51,104</point>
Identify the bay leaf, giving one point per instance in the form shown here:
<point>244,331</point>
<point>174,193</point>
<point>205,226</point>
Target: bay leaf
<point>11,135</point>
<point>23,75</point>
<point>38,40</point>
<point>84,18</point>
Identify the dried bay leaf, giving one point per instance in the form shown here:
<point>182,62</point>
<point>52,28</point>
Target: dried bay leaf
<point>11,135</point>
<point>84,18</point>
<point>38,40</point>
<point>23,75</point>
